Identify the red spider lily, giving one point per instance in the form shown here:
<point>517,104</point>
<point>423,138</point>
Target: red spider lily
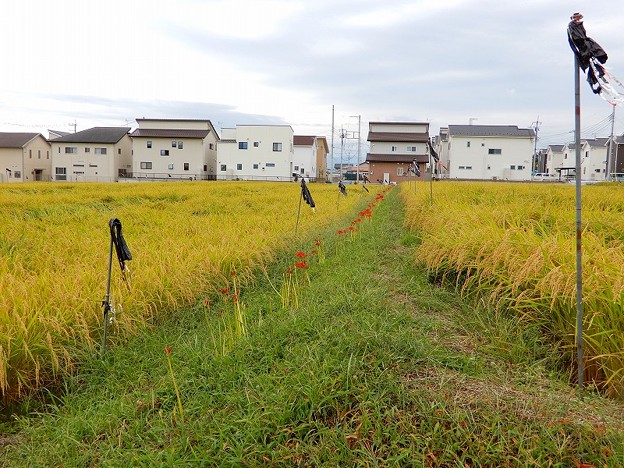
<point>167,350</point>
<point>233,273</point>
<point>317,243</point>
<point>225,291</point>
<point>301,254</point>
<point>351,228</point>
<point>341,231</point>
<point>207,302</point>
<point>314,252</point>
<point>301,265</point>
<point>235,298</point>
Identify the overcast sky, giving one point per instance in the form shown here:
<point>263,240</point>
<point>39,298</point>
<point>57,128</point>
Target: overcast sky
<point>107,63</point>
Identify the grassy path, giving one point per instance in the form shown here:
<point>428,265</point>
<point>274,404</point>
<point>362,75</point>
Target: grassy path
<point>375,366</point>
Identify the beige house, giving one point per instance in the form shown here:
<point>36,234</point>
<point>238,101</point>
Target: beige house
<point>174,149</point>
<point>24,157</point>
<point>310,158</point>
<point>394,146</point>
<point>99,154</point>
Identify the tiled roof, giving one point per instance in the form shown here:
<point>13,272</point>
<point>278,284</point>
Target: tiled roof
<point>105,135</point>
<point>556,148</point>
<point>168,133</point>
<point>405,158</point>
<point>398,137</point>
<point>490,130</point>
<point>15,140</point>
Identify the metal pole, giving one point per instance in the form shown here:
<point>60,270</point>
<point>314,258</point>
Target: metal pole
<point>106,303</point>
<point>331,170</point>
<point>357,171</point>
<point>430,176</point>
<point>579,266</point>
<point>611,156</point>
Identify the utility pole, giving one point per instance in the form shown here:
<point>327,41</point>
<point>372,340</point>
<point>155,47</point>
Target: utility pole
<point>536,125</point>
<point>357,166</point>
<point>342,137</point>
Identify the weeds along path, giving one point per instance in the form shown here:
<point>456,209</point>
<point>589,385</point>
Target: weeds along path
<point>353,358</point>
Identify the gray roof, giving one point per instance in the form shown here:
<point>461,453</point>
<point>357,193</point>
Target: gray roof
<point>404,158</point>
<point>399,137</point>
<point>104,135</point>
<point>556,148</point>
<point>490,131</point>
<point>597,141</point>
<point>168,133</point>
<point>16,139</point>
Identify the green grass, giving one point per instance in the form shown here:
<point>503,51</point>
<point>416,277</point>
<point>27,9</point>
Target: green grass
<point>376,366</point>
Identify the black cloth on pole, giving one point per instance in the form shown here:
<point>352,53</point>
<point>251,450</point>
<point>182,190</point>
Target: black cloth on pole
<point>589,53</point>
<point>305,193</point>
<point>342,188</point>
<point>121,248</point>
<point>433,152</point>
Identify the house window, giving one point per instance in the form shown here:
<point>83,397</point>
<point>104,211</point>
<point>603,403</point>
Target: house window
<point>270,164</point>
<point>186,166</point>
<point>513,168</point>
<point>255,166</point>
<point>100,151</point>
<point>47,154</point>
<point>87,150</point>
<point>565,156</point>
<point>469,168</point>
<point>223,167</point>
<point>164,152</point>
<point>118,150</point>
<point>210,146</point>
<point>149,144</point>
<point>296,168</point>
<point>256,144</point>
<point>399,171</point>
<point>411,149</point>
<point>205,167</point>
<point>173,143</point>
<point>597,170</point>
<point>38,154</point>
<point>180,144</point>
<point>394,148</point>
<point>495,151</point>
<point>71,150</point>
<point>587,154</point>
<point>17,174</point>
<point>520,168</point>
<point>277,147</point>
<point>302,171</point>
<point>170,167</point>
<point>239,167</point>
<point>30,153</point>
<point>242,145</point>
<point>467,144</point>
<point>61,173</point>
<point>146,165</point>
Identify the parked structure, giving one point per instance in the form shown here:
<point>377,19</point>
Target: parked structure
<point>174,149</point>
<point>256,152</point>
<point>310,156</point>
<point>24,157</point>
<point>99,154</point>
<point>488,152</point>
<point>394,146</point>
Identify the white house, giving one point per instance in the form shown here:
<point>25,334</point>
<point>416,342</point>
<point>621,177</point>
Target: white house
<point>310,156</point>
<point>593,159</point>
<point>99,154</point>
<point>174,149</point>
<point>489,152</point>
<point>554,158</point>
<point>24,157</point>
<point>256,152</point>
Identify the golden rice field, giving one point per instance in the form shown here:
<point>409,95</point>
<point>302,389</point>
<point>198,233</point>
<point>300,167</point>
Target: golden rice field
<point>185,238</point>
<point>514,245</point>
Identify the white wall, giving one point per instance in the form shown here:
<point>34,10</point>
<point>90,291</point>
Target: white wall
<point>470,158</point>
<point>258,160</point>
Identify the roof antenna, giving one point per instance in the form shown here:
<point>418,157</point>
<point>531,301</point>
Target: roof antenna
<point>470,120</point>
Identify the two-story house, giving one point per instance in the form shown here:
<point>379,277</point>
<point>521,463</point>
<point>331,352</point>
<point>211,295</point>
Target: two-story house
<point>174,149</point>
<point>554,158</point>
<point>98,154</point>
<point>489,152</point>
<point>394,146</point>
<point>256,152</point>
<point>593,159</point>
<point>24,157</point>
<point>310,157</point>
